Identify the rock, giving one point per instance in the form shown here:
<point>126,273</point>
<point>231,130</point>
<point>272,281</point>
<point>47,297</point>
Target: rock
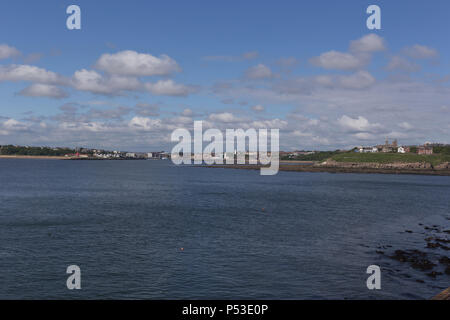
<point>416,258</point>
<point>433,245</point>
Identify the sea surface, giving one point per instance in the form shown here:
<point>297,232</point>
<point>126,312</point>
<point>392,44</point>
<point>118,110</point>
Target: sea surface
<point>152,230</point>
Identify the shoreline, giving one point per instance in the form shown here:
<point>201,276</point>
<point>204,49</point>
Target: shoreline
<point>33,157</point>
<point>312,168</point>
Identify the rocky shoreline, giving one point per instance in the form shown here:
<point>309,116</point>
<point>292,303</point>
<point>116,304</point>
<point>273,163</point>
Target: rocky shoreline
<point>351,167</point>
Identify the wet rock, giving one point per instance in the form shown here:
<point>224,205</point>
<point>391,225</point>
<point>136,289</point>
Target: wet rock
<point>433,245</point>
<point>416,259</point>
<point>442,240</point>
<point>380,252</point>
<point>420,281</point>
<point>446,231</point>
<point>408,231</point>
<point>447,271</point>
<point>422,264</point>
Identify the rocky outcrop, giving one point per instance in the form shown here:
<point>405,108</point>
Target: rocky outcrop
<point>443,166</point>
<point>374,165</point>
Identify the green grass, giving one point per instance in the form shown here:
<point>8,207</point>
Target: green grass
<point>434,159</point>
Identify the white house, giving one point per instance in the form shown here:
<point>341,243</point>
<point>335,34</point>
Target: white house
<point>368,149</point>
<point>401,150</point>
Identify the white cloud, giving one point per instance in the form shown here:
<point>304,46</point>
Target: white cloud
<point>13,124</point>
<point>8,52</point>
<point>259,72</point>
<point>421,52</point>
<point>402,64</point>
<point>169,88</point>
<point>43,90</point>
<point>359,80</point>
<point>29,73</point>
<point>361,51</point>
<point>92,81</point>
<point>143,123</point>
<point>226,117</point>
<point>405,125</point>
<point>334,60</point>
<point>368,44</point>
<point>132,63</point>
<point>357,124</point>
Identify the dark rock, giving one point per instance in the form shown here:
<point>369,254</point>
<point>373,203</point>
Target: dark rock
<point>433,245</point>
<point>422,264</point>
<point>416,258</point>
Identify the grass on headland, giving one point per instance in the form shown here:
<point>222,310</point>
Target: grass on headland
<point>434,159</point>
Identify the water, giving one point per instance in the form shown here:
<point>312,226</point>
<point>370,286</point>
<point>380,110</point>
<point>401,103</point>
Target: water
<point>290,236</point>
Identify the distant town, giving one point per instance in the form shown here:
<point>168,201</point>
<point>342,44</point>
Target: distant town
<point>100,154</point>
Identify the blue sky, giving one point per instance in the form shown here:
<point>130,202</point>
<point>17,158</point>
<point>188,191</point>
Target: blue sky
<point>232,63</point>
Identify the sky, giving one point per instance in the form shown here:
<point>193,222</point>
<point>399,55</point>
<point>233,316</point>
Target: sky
<point>137,70</point>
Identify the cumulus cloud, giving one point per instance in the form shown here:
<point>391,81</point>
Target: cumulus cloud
<point>43,90</point>
<point>359,56</point>
<point>334,60</point>
<point>368,44</point>
<point>146,124</point>
<point>397,63</point>
<point>169,88</point>
<point>92,81</point>
<point>356,124</point>
<point>29,73</point>
<point>259,72</point>
<point>421,52</point>
<point>226,117</point>
<point>8,52</point>
<point>132,63</point>
<point>359,80</point>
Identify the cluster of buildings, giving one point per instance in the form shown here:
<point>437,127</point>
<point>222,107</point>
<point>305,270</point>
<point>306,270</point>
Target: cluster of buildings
<point>393,147</point>
<point>295,154</point>
<point>117,155</point>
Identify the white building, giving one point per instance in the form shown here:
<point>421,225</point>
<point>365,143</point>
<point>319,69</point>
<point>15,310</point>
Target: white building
<point>368,149</point>
<point>401,150</point>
